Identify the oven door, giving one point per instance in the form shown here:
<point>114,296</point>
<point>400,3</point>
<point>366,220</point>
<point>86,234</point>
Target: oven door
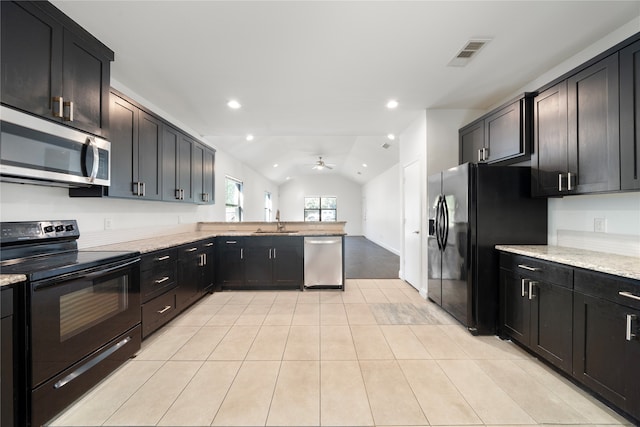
<point>74,315</point>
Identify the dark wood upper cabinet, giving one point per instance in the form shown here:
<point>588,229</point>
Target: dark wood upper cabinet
<point>630,117</point>
<point>550,157</point>
<point>502,136</point>
<point>593,128</point>
<point>53,68</point>
<point>576,133</point>
<point>203,177</point>
<point>124,137</point>
<point>149,157</point>
<point>177,153</point>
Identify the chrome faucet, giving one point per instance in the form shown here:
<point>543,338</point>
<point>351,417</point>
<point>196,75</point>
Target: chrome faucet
<point>279,224</point>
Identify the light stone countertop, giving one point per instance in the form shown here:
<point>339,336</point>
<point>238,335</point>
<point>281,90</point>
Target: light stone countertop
<point>10,279</point>
<point>618,265</point>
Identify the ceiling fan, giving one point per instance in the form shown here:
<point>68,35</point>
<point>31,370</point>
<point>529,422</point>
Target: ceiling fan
<point>320,165</point>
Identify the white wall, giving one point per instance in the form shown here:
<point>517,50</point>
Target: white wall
<point>382,203</point>
<point>349,194</point>
<point>134,219</point>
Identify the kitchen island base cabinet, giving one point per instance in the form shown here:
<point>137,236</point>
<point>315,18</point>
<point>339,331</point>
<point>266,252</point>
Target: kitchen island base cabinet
<point>606,341</point>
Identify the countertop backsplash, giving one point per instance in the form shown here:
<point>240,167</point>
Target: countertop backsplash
<point>620,244</point>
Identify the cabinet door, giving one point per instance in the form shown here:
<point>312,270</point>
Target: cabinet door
<point>550,140</point>
<point>189,275</point>
<point>208,176</point>
<point>288,262</point>
<point>258,255</point>
<point>209,268</point>
<point>197,169</point>
<point>85,83</point>
<point>229,263</point>
<point>471,141</point>
<point>148,156</point>
<point>603,358</point>
<point>514,306</point>
<point>7,385</point>
<point>503,133</point>
<point>31,46</point>
<point>170,137</point>
<point>593,127</point>
<point>183,167</point>
<point>552,323</point>
<point>123,131</point>
<point>630,117</point>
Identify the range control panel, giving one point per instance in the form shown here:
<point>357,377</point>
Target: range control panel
<point>32,231</point>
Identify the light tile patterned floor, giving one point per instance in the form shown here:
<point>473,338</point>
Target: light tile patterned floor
<point>376,354</point>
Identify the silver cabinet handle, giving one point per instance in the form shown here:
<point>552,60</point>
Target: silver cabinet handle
<point>569,186</point>
<point>526,267</point>
<point>629,295</point>
<point>144,188</point>
<point>231,242</point>
<point>241,253</point>
<point>480,154</point>
<point>162,258</point>
<point>559,182</point>
<point>60,102</point>
<point>191,249</point>
<point>164,279</point>
<point>177,194</point>
<point>523,287</point>
<point>486,154</point>
<point>274,253</point>
<point>181,194</point>
<point>69,105</point>
<point>136,191</point>
<point>270,253</point>
<point>630,318</point>
<point>164,310</point>
<point>208,245</point>
<point>531,285</point>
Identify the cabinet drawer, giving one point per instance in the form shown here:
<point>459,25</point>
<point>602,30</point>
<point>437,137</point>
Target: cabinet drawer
<point>156,281</point>
<point>616,289</point>
<point>157,312</point>
<point>536,269</point>
<point>159,258</point>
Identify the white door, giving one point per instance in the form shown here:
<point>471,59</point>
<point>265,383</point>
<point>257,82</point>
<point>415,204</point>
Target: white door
<point>412,229</point>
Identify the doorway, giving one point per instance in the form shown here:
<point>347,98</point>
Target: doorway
<point>412,250</point>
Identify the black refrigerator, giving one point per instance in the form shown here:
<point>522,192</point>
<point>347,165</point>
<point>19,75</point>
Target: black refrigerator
<point>471,209</point>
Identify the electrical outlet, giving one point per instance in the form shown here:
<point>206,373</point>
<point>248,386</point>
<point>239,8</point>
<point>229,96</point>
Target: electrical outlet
<point>600,225</point>
<point>108,224</point>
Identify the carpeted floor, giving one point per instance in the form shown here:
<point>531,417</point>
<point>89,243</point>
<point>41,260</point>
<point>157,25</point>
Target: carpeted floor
<point>365,260</point>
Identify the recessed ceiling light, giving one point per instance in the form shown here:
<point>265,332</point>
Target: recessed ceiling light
<point>364,165</point>
<point>275,165</point>
<point>392,104</point>
<point>233,104</point>
<point>249,137</point>
<point>391,136</point>
<point>288,178</point>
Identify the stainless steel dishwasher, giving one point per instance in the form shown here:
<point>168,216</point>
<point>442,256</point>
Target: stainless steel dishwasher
<point>323,262</point>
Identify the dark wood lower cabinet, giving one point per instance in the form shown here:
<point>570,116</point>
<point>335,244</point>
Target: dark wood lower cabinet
<point>606,341</point>
<point>7,391</point>
<point>585,323</point>
<point>535,310</point>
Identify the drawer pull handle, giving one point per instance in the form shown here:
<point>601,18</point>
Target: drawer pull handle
<point>164,279</point>
<point>191,249</point>
<point>526,267</point>
<point>162,258</point>
<point>164,310</point>
<point>208,245</point>
<point>629,295</point>
<point>523,287</point>
<point>630,318</point>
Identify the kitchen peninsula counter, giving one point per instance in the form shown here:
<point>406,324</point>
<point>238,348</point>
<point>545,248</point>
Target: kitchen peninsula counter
<point>618,265</point>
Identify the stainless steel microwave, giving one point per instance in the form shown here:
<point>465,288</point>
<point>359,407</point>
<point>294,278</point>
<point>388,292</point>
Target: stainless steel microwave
<point>36,151</point>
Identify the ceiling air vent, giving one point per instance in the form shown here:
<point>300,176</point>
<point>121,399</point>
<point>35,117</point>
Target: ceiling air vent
<point>468,52</point>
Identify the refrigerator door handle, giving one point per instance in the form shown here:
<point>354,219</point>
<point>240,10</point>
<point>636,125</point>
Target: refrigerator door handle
<point>445,214</point>
<point>437,222</point>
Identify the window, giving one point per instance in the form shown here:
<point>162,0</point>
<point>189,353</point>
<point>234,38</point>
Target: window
<point>321,209</point>
<point>268,206</point>
<point>233,201</point>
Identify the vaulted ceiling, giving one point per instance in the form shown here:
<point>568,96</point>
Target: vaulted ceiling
<point>313,77</point>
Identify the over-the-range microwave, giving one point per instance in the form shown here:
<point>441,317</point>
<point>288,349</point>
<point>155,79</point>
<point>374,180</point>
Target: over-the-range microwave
<point>37,151</point>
